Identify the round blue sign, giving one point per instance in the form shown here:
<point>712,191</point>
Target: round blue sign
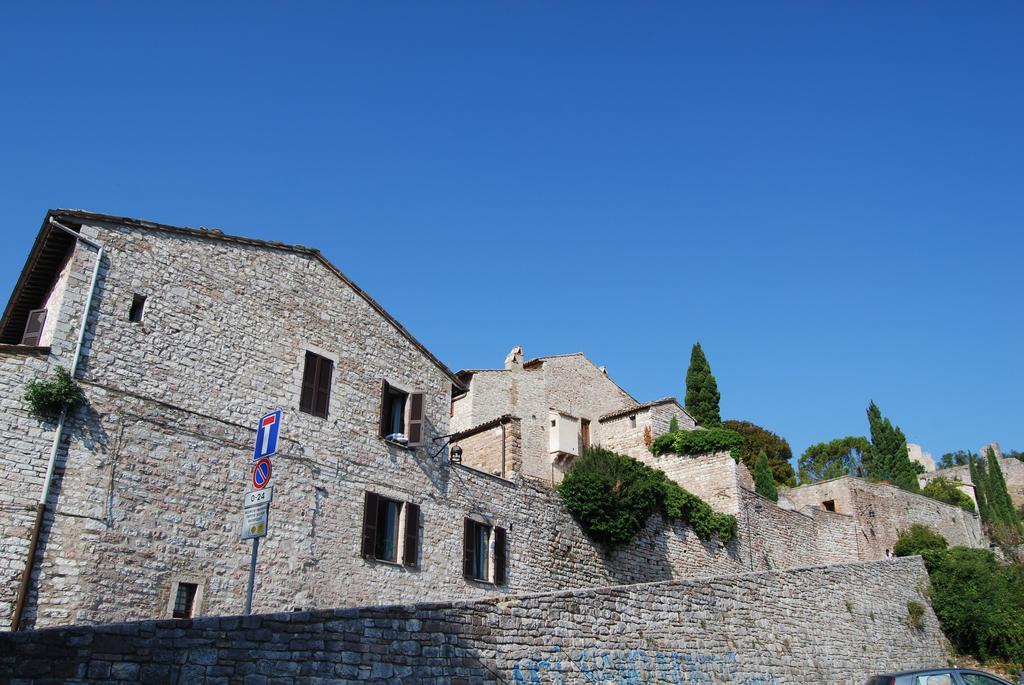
<point>261,473</point>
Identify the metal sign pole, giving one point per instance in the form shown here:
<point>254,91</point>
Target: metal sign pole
<point>252,575</point>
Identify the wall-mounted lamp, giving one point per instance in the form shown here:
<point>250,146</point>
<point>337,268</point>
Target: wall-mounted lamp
<point>455,456</point>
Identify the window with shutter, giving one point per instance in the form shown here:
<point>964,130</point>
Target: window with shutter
<point>500,556</point>
<point>410,555</point>
<point>415,418</point>
<point>369,525</point>
<point>34,327</point>
<point>316,385</point>
<point>393,412</point>
<point>476,550</point>
<point>467,547</point>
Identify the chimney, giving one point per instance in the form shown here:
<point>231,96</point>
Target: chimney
<point>603,370</point>
<point>514,360</point>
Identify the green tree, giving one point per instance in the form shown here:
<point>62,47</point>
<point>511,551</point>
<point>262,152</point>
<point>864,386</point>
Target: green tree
<point>764,481</point>
<point>958,458</point>
<point>888,458</point>
<point>757,439</point>
<point>946,490</point>
<point>673,425</point>
<point>840,457</point>
<point>702,396</point>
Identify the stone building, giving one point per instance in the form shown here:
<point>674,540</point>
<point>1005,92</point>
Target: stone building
<point>566,403</point>
<point>181,338</point>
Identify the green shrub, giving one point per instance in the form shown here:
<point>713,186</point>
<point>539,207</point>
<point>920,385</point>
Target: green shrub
<point>946,490</point>
<point>979,602</point>
<point>918,539</point>
<point>612,496</point>
<point>699,441</point>
<point>915,614</point>
<point>48,397</point>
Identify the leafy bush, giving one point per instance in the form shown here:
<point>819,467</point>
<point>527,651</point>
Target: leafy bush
<point>979,602</point>
<point>699,441</point>
<point>612,496</point>
<point>918,539</point>
<point>946,490</point>
<point>915,614</point>
<point>48,397</point>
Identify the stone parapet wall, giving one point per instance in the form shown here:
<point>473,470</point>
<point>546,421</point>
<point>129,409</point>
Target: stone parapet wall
<point>803,627</point>
<point>883,512</point>
<point>776,538</point>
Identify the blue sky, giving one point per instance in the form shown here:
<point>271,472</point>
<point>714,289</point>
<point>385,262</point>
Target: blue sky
<point>829,196</point>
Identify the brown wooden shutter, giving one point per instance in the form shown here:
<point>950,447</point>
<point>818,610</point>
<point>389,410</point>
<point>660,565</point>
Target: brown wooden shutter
<point>415,418</point>
<point>385,390</point>
<point>467,548</point>
<point>309,376</point>
<point>412,535</point>
<point>34,327</point>
<point>322,396</point>
<point>500,556</point>
<point>369,525</point>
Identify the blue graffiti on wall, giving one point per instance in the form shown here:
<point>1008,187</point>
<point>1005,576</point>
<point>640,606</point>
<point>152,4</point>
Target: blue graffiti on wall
<point>634,667</point>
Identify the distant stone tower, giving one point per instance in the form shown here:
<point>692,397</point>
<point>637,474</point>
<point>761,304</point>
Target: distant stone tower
<point>920,456</point>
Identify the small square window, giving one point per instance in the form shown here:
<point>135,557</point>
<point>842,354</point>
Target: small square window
<point>632,421</point>
<point>138,308</point>
<point>184,600</point>
<point>829,504</point>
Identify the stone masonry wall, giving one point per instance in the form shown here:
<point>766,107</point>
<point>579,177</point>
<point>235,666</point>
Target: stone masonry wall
<point>883,512</point>
<point>496,450</point>
<point>26,444</point>
<point>625,434</point>
<point>836,625</point>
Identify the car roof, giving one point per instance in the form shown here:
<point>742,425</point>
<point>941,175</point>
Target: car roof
<point>939,669</point>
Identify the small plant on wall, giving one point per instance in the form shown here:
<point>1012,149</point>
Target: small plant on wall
<point>48,397</point>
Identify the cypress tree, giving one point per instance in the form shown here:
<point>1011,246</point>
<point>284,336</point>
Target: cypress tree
<point>764,481</point>
<point>702,396</point>
<point>978,478</point>
<point>888,457</point>
<point>998,496</point>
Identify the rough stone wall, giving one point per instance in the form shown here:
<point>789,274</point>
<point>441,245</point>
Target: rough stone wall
<point>23,462</point>
<point>883,512</point>
<point>496,450</point>
<point>712,477</point>
<point>776,538</point>
<point>619,434</point>
<point>837,624</point>
<point>662,414</point>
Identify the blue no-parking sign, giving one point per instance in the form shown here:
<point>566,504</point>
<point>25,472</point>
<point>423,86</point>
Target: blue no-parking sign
<point>266,435</point>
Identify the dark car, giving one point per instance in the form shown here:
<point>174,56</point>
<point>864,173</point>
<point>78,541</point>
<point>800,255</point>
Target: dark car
<point>939,676</point>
